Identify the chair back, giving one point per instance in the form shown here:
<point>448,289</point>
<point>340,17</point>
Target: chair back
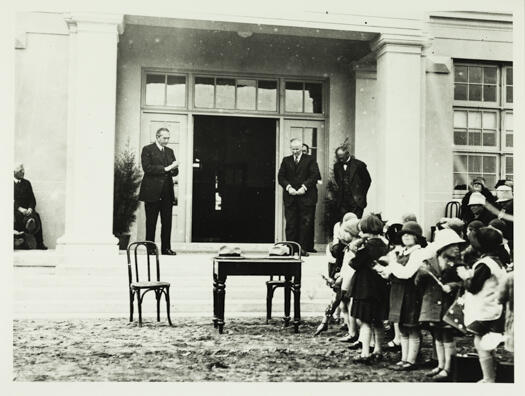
<point>134,268</point>
<point>453,209</point>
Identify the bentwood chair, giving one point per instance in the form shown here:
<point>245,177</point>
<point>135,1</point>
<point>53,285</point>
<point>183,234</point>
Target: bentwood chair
<point>453,209</point>
<point>291,248</point>
<point>138,287</point>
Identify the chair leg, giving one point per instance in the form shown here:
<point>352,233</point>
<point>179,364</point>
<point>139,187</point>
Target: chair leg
<point>131,298</point>
<point>158,295</point>
<point>167,295</point>
<point>139,304</point>
<point>269,297</point>
<point>287,299</point>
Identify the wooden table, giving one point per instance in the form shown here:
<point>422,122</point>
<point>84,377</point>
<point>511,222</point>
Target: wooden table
<point>289,267</point>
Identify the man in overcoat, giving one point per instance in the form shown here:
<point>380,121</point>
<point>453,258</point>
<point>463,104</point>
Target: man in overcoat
<point>156,190</point>
<point>353,181</point>
<point>298,177</point>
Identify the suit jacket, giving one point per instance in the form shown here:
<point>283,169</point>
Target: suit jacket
<point>306,172</point>
<point>153,163</point>
<point>359,181</point>
<point>24,196</point>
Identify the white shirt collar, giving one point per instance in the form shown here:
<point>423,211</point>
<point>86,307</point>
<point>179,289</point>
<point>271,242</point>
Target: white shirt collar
<point>17,180</point>
<point>159,146</point>
<point>298,157</point>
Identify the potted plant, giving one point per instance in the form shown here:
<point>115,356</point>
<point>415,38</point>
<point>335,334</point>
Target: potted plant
<point>125,195</point>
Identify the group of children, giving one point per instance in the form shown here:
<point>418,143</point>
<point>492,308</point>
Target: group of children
<point>388,274</point>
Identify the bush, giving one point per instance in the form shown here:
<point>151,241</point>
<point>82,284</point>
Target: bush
<point>125,198</point>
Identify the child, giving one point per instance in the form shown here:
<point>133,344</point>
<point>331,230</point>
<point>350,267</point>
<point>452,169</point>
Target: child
<point>404,300</point>
<point>368,289</point>
<point>438,282</point>
<point>483,310</point>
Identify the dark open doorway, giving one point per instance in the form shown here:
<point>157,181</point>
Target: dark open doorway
<point>233,179</point>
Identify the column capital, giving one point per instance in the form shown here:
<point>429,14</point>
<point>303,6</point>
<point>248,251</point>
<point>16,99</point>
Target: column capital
<point>95,23</point>
<point>400,43</point>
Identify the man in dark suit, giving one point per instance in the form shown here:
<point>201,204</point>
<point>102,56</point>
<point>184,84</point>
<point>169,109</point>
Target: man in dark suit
<point>24,207</point>
<point>298,177</point>
<point>156,190</point>
<point>311,230</point>
<point>353,181</point>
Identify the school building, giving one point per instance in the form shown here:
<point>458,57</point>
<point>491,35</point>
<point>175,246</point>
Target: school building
<point>426,102</point>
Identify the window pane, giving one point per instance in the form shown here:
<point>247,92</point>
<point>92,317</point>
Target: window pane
<point>489,138</point>
<point>474,163</point>
<point>313,102</point>
<point>225,98</point>
<point>489,120</point>
<point>460,91</point>
<point>460,119</point>
<point>460,73</point>
<point>491,180</point>
<point>489,93</point>
<point>267,95</point>
<point>474,120</point>
<point>155,89</point>
<point>246,94</point>
<point>509,140</point>
<point>474,92</point>
<point>204,91</point>
<point>509,94</point>
<point>489,164</point>
<point>460,163</point>
<point>474,138</point>
<point>460,137</point>
<point>294,96</point>
<point>509,165</point>
<point>489,75</point>
<point>474,74</point>
<point>460,181</point>
<point>296,133</point>
<point>176,91</point>
<point>509,76</point>
<point>509,121</point>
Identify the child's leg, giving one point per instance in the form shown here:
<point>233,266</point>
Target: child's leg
<point>365,335</point>
<point>440,350</point>
<point>414,342</point>
<point>379,336</point>
<point>404,339</point>
<point>449,347</point>
<point>397,334</point>
<point>486,361</point>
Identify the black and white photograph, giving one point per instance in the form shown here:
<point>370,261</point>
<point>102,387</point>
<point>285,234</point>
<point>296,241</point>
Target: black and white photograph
<point>213,193</point>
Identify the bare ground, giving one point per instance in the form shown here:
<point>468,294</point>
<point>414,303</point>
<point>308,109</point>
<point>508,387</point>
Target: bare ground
<point>192,350</point>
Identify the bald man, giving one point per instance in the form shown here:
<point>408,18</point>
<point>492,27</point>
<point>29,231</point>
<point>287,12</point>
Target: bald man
<point>298,177</point>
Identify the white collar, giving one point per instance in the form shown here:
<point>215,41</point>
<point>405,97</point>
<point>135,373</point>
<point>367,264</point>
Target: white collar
<point>17,180</point>
<point>159,146</point>
<point>298,157</point>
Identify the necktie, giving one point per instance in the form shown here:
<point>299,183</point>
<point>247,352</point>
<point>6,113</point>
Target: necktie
<point>296,160</point>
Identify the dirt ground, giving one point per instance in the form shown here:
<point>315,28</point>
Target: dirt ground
<point>192,350</point>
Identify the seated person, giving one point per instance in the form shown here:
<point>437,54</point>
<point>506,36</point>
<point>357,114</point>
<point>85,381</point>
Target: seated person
<point>478,185</point>
<point>24,206</point>
<point>477,205</point>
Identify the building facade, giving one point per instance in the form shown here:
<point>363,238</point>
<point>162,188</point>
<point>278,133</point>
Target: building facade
<point>425,102</point>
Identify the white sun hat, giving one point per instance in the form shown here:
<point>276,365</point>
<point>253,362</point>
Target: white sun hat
<point>504,193</point>
<point>444,238</point>
<point>477,199</point>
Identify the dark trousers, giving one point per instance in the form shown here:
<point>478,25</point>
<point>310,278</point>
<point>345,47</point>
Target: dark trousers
<point>299,220</point>
<point>310,232</point>
<point>165,208</point>
<point>345,208</point>
<point>19,226</point>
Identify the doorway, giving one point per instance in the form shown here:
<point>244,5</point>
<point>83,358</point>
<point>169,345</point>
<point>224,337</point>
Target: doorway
<point>233,179</point>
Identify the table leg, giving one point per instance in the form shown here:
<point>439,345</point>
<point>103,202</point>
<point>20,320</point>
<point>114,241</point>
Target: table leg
<point>287,299</point>
<point>215,302</point>
<point>296,289</point>
<point>221,294</point>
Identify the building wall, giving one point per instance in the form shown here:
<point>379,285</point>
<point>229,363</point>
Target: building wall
<point>188,49</point>
<point>41,60</point>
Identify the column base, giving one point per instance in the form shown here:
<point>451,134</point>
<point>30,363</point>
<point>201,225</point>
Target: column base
<point>87,252</point>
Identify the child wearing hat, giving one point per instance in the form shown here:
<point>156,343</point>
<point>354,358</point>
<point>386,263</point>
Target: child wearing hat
<point>368,289</point>
<point>503,251</point>
<point>438,282</point>
<point>477,209</point>
<point>478,186</point>
<point>404,299</point>
<point>483,310</point>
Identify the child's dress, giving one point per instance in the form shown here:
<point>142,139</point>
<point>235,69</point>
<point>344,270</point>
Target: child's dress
<point>368,289</point>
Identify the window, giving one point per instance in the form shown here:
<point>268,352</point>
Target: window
<point>303,97</point>
<point>509,167</point>
<point>164,89</point>
<point>482,125</point>
<point>235,93</point>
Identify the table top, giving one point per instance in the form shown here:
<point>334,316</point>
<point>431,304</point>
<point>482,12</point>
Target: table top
<point>258,259</point>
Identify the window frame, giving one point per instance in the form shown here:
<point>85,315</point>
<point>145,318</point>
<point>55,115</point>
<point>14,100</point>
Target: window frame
<point>304,82</point>
<point>165,105</point>
<point>475,103</point>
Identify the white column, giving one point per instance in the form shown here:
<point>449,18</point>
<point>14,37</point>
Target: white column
<point>91,134</point>
<point>400,98</point>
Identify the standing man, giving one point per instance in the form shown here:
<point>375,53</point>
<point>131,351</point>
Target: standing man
<point>24,206</point>
<point>311,231</point>
<point>298,177</point>
<point>156,190</point>
<point>353,181</point>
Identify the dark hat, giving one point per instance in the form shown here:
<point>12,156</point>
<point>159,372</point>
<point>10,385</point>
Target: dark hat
<point>31,225</point>
<point>479,180</point>
<point>485,239</point>
<point>393,233</point>
<point>499,225</point>
<point>411,227</point>
<point>475,224</point>
<point>371,224</point>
